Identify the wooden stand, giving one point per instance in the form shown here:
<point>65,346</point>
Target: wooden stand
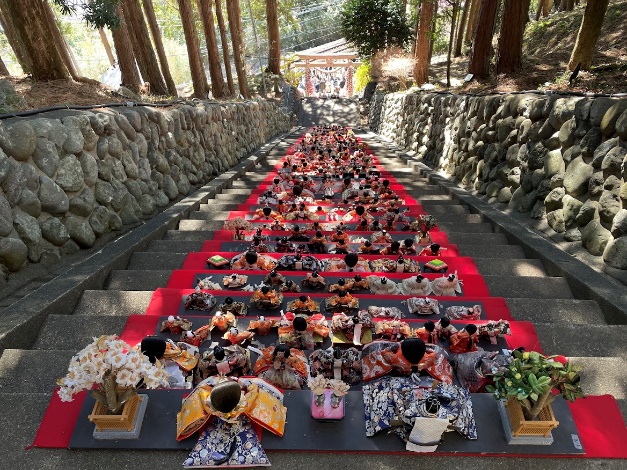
<point>121,422</point>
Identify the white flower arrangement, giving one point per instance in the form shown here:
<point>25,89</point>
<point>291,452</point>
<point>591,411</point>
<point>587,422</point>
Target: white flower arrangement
<point>338,387</point>
<point>318,384</point>
<point>115,367</point>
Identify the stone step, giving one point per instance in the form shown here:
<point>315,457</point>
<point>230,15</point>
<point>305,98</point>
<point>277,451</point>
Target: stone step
<point>511,267</point>
<point>444,209</point>
<point>113,302</point>
<point>206,215</point>
<point>214,206</point>
<point>459,218</point>
<point>74,332</point>
<point>232,198</point>
<point>482,251</point>
<point>237,191</point>
<point>188,235</point>
<point>35,371</point>
<point>175,246</point>
<point>560,311</point>
<point>580,340</point>
<point>200,225</point>
<point>137,280</point>
<point>487,240</point>
<point>450,228</point>
<point>528,287</point>
<point>602,375</point>
<point>161,261</point>
<point>444,201</point>
<point>245,183</point>
<point>426,198</point>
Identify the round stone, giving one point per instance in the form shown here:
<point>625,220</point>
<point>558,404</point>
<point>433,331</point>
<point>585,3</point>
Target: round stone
<point>54,231</point>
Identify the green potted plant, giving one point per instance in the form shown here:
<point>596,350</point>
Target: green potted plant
<point>529,385</point>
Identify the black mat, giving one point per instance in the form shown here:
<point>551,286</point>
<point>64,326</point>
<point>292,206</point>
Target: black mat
<point>240,247</point>
<point>297,276</point>
<point>302,433</point>
<point>364,303</point>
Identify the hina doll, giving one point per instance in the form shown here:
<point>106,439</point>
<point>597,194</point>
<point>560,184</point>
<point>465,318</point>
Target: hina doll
<point>464,341</point>
<point>282,366</point>
<point>353,327</point>
<point>231,360</point>
<point>252,261</point>
<point>336,364</point>
<point>261,326</point>
<point>415,285</point>
<point>382,285</point>
<point>303,332</point>
<point>427,333</point>
<point>225,410</point>
<point>229,306</point>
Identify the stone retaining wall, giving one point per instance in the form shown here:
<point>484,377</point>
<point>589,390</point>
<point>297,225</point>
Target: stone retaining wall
<point>66,181</point>
<point>557,157</point>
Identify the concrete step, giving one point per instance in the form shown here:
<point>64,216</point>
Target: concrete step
<point>424,197</point>
<point>528,287</point>
<point>482,251</point>
<point>487,240</point>
<point>237,191</point>
<point>445,201</point>
<point>445,209</point>
<point>73,332</point>
<point>137,280</point>
<point>245,183</point>
<point>214,206</point>
<point>603,375</point>
<point>113,302</point>
<point>33,371</point>
<point>188,235</point>
<point>232,198</point>
<point>459,218</point>
<point>450,228</point>
<point>560,311</point>
<point>200,225</point>
<point>156,261</point>
<point>580,340</point>
<point>206,215</point>
<point>511,267</point>
<point>174,246</point>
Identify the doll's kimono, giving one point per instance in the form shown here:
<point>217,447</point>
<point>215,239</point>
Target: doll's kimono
<point>229,439</point>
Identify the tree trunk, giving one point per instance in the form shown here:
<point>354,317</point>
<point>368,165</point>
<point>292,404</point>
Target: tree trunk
<point>3,68</point>
<point>450,43</point>
<point>274,43</point>
<point>547,6</point>
<point>14,41</point>
<point>60,42</point>
<point>426,14</point>
<point>199,78</point>
<point>588,34</point>
<point>144,52</point>
<point>539,9</point>
<point>107,46</point>
<point>156,38</point>
<point>32,30</point>
<point>225,47</point>
<point>479,62</point>
<point>569,5</point>
<point>472,21</point>
<point>460,31</point>
<point>239,53</point>
<point>515,17</point>
<point>126,56</point>
<point>218,87</point>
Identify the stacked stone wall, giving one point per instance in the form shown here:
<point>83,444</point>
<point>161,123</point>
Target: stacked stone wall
<point>66,181</point>
<point>558,157</point>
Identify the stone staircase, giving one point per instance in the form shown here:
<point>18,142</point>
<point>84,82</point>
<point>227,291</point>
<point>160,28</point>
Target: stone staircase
<point>565,325</point>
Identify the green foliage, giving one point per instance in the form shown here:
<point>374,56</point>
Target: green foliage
<point>373,25</point>
<point>290,75</point>
<point>97,13</point>
<point>362,76</point>
<point>531,375</point>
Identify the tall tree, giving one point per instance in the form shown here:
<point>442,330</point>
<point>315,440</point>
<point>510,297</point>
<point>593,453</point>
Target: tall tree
<point>225,46</point>
<point>509,55</point>
<point>460,30</point>
<point>144,52</point>
<point>274,42</point>
<point>61,43</point>
<point>479,62</point>
<point>156,38</point>
<point>33,31</point>
<point>588,34</point>
<point>3,68</point>
<point>124,51</point>
<point>539,9</point>
<point>218,87</point>
<point>239,51</point>
<point>473,15</point>
<point>14,41</point>
<point>199,78</point>
<point>106,45</point>
<point>450,42</point>
<point>424,38</point>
